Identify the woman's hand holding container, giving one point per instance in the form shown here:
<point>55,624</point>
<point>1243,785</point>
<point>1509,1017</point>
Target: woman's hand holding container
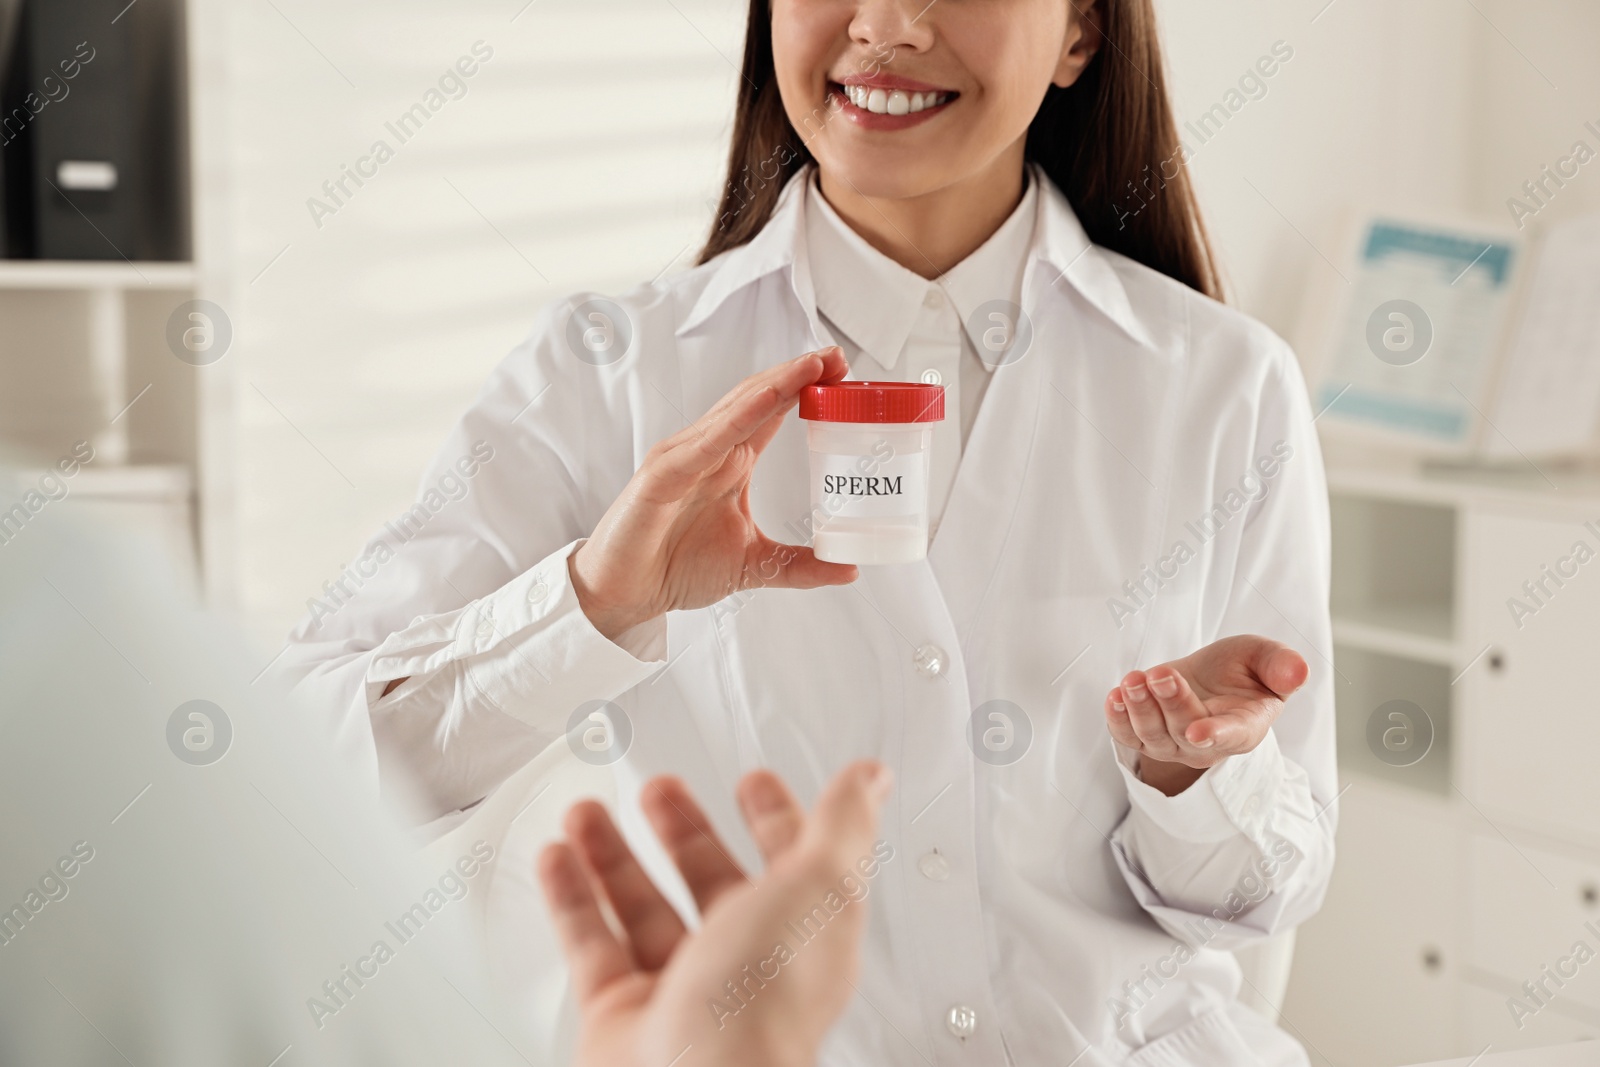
<point>681,535</point>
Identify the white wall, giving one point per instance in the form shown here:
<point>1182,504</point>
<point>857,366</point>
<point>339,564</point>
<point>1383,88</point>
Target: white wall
<point>584,155</point>
<point>1540,83</point>
<point>1372,108</point>
<point>593,142</point>
<point>1435,106</point>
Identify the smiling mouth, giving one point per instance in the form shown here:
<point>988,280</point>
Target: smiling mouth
<point>876,100</point>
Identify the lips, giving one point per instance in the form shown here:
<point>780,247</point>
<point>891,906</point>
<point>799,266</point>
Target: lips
<point>893,101</point>
<point>889,102</point>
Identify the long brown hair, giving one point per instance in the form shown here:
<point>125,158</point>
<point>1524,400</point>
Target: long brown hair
<point>1109,142</point>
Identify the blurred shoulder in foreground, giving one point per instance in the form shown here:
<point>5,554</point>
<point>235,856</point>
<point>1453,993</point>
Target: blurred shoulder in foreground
<point>186,874</point>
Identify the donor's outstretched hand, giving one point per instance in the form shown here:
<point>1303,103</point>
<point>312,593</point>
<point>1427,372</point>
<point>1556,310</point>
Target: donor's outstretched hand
<point>650,993</point>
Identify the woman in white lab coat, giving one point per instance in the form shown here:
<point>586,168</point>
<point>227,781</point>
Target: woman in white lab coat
<point>1127,474</point>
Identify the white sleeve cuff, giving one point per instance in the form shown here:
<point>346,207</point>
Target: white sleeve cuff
<point>530,650</point>
<point>1230,798</point>
<point>527,648</point>
<point>646,642</point>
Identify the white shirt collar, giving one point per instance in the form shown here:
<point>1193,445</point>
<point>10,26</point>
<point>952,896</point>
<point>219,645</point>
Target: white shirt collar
<point>1060,251</point>
<point>876,301</point>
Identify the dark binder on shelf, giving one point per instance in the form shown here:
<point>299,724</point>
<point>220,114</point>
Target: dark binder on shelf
<point>91,132</point>
<point>13,173</point>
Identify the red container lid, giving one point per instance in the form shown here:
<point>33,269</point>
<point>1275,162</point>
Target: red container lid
<point>872,402</point>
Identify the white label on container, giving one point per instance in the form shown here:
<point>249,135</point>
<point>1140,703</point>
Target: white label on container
<point>870,486</point>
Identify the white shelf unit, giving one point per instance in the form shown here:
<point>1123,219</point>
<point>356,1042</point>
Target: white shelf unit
<point>101,292</point>
<point>85,357</point>
<point>1459,877</point>
<point>89,362</point>
<point>1415,631</point>
<point>77,275</point>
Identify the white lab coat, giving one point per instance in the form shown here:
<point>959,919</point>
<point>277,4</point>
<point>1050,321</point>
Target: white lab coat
<point>1073,912</point>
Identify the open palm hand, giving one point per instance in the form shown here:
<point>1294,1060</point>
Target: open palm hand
<point>645,992</point>
<point>1196,711</point>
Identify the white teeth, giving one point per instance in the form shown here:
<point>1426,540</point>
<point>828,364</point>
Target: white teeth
<point>892,102</point>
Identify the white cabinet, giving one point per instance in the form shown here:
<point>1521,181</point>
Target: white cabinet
<point>1468,866</point>
<point>1491,1024</point>
<point>1535,919</point>
<point>1530,704</point>
<point>1374,972</point>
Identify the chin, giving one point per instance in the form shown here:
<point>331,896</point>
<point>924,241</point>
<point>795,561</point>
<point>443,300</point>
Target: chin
<point>886,175</point>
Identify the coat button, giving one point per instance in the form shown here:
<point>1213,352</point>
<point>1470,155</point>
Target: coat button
<point>930,660</point>
<point>934,866</point>
<point>538,590</point>
<point>962,1021</point>
<point>1252,805</point>
<point>934,300</point>
<point>486,622</point>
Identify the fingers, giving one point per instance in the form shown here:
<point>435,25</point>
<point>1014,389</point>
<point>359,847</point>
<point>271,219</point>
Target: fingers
<point>845,820</point>
<point>705,444</point>
<point>1117,720</point>
<point>751,411</point>
<point>1228,734</point>
<point>594,955</point>
<point>690,840</point>
<point>781,566</point>
<point>1145,717</point>
<point>834,367</point>
<point>1179,705</point>
<point>1272,663</point>
<point>786,379</point>
<point>771,811</point>
<point>763,434</point>
<point>1282,669</point>
<point>1167,721</point>
<point>653,929</point>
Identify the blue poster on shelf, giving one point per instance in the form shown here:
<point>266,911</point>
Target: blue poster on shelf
<point>1420,332</point>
